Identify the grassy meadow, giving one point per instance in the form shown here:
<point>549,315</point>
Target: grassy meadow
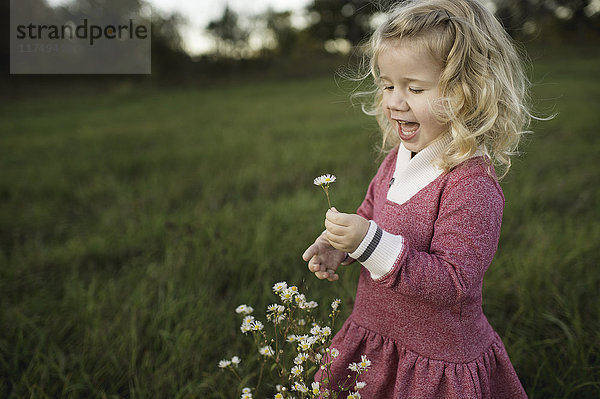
<point>133,223</point>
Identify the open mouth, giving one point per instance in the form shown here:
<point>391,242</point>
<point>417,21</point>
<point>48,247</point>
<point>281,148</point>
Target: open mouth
<point>407,130</point>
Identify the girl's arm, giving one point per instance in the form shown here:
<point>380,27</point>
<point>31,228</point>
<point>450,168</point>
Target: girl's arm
<point>465,239</point>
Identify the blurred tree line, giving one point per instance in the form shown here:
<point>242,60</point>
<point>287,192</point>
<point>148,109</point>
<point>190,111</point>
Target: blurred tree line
<point>351,21</point>
<point>275,43</point>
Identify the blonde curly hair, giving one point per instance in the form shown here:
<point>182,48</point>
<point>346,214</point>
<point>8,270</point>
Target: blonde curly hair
<point>483,85</point>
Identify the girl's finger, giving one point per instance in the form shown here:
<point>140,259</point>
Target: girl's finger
<point>347,261</point>
<point>310,252</point>
<point>314,265</point>
<point>336,217</point>
<point>334,228</point>
<point>322,275</point>
<point>334,239</point>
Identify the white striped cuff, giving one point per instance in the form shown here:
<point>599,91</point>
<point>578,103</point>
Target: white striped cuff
<point>378,251</point>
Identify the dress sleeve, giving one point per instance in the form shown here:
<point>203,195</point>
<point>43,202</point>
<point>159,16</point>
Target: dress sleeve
<point>378,251</point>
<point>465,239</point>
<point>366,208</point>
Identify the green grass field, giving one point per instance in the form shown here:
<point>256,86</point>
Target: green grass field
<point>133,223</point>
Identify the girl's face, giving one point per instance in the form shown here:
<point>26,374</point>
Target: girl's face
<point>409,79</point>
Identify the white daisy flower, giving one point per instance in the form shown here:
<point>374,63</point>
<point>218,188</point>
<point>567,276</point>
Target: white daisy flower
<point>301,322</point>
<point>291,338</point>
<point>324,180</point>
<point>246,393</point>
<point>311,305</point>
<point>328,178</point>
<point>246,327</point>
<point>334,353</point>
<point>361,366</point>
<point>276,313</point>
<point>256,326</point>
<point>236,360</point>
<point>301,358</point>
<point>224,363</point>
<point>300,300</point>
<point>360,385</point>
<point>326,331</point>
<point>316,330</point>
<point>247,324</point>
<point>300,387</point>
<point>316,388</point>
<point>245,309</point>
<point>280,286</point>
<point>364,362</point>
<point>335,304</point>
<point>297,371</point>
<point>266,351</point>
<point>353,395</point>
<point>278,395</point>
<point>286,295</point>
<point>306,344</point>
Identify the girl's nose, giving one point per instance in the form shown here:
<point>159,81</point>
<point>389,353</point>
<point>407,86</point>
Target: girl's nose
<point>397,102</point>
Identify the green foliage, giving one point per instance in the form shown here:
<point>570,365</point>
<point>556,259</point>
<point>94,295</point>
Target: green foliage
<point>132,225</point>
<point>343,20</point>
<point>231,36</point>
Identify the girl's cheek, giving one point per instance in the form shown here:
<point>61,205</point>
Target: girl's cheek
<point>387,113</point>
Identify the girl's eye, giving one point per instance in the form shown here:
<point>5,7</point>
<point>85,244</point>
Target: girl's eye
<point>416,91</point>
<point>388,88</point>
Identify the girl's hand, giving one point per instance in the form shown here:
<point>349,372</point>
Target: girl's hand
<point>345,231</point>
<point>323,259</point>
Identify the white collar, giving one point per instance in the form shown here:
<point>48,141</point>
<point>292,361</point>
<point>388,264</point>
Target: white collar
<point>412,175</point>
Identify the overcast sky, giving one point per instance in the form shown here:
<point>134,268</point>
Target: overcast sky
<point>200,12</point>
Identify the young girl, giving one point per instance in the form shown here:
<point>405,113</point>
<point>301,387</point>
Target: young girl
<point>450,103</point>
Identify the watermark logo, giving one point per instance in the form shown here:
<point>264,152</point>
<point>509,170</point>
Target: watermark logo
<point>86,40</point>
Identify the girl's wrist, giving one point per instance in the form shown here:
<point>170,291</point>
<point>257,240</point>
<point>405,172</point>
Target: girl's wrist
<point>366,240</point>
<point>364,226</point>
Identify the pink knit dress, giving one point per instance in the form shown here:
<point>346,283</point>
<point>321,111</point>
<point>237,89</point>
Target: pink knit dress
<point>421,324</point>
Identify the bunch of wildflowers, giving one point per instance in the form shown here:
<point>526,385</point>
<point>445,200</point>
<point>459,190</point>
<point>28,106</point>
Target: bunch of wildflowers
<point>296,346</point>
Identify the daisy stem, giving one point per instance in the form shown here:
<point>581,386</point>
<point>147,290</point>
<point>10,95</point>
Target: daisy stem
<point>276,342</point>
<point>262,366</point>
<point>326,189</point>
<point>235,373</point>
